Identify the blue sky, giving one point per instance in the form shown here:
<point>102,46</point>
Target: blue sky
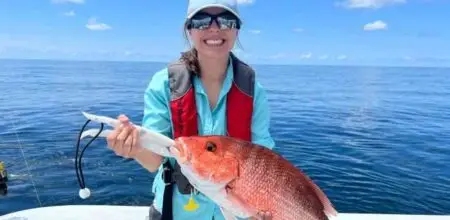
<point>360,32</point>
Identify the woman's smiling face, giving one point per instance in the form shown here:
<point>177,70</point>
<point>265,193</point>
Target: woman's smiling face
<point>213,41</point>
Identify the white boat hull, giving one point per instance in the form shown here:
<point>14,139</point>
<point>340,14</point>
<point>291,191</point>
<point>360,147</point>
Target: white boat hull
<point>95,212</point>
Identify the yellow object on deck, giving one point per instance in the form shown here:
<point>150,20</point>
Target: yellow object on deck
<point>3,179</point>
<point>3,173</point>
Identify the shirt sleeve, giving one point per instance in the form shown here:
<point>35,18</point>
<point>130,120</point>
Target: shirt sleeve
<point>156,105</point>
<point>261,119</point>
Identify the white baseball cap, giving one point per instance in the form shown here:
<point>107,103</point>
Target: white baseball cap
<point>195,6</point>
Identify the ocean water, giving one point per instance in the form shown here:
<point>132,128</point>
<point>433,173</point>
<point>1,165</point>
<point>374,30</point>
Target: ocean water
<point>375,139</point>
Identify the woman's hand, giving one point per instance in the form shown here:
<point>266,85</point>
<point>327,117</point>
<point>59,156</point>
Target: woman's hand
<point>124,140</point>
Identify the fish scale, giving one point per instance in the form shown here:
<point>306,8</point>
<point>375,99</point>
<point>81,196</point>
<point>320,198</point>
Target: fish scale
<point>258,172</point>
<point>262,174</point>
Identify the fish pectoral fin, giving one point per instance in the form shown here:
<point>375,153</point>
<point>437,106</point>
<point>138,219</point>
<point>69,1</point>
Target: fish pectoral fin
<point>227,214</point>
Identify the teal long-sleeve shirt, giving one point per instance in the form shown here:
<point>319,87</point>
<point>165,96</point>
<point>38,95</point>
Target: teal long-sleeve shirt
<point>210,122</point>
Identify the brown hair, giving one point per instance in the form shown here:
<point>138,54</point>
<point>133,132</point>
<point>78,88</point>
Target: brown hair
<point>191,60</point>
<point>190,57</point>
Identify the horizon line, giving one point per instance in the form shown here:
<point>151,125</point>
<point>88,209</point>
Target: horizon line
<point>250,63</point>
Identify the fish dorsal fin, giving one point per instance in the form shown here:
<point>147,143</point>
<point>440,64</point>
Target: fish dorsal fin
<point>327,206</point>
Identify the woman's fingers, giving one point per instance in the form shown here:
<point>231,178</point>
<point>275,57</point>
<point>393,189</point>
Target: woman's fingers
<point>121,138</point>
<point>134,142</point>
<point>123,119</point>
<point>112,138</point>
<point>128,145</point>
<point>124,140</point>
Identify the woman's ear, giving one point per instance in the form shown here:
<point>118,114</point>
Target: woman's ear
<point>189,34</point>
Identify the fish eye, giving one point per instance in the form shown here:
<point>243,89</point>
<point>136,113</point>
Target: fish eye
<point>211,147</point>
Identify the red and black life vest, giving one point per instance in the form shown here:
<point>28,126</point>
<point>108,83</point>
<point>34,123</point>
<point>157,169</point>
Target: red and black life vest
<point>239,111</point>
<point>239,108</point>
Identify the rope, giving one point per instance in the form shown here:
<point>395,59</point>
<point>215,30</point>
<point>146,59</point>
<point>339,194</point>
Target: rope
<point>26,162</point>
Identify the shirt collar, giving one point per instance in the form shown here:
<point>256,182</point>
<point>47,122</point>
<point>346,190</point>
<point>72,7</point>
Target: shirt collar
<point>226,83</point>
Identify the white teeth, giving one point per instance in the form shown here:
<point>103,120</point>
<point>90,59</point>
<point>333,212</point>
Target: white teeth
<point>214,42</point>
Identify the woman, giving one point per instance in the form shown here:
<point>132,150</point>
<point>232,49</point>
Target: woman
<point>209,83</point>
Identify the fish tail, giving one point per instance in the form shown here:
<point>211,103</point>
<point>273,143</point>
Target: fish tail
<point>328,207</point>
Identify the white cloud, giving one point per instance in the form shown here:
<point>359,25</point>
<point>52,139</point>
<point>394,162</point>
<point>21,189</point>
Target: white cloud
<point>342,57</point>
<point>370,3</point>
<point>69,13</point>
<point>298,30</point>
<point>94,26</point>
<point>68,1</point>
<point>376,25</point>
<point>245,2</point>
<point>255,31</point>
<point>306,56</point>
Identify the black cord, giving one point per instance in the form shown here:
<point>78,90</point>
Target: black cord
<point>82,153</point>
<point>76,152</point>
<point>78,167</point>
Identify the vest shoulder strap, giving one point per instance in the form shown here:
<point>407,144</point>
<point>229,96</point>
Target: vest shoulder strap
<point>182,100</point>
<point>244,76</point>
<point>240,101</point>
<point>179,80</point>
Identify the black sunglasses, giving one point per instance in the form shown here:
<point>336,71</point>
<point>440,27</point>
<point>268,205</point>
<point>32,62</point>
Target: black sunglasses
<point>203,20</point>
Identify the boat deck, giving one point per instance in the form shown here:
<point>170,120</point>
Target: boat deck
<point>91,212</point>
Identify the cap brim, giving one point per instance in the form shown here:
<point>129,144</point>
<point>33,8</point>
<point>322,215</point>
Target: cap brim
<point>213,5</point>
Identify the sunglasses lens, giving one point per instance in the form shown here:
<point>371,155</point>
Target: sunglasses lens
<point>225,21</point>
<point>200,22</point>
